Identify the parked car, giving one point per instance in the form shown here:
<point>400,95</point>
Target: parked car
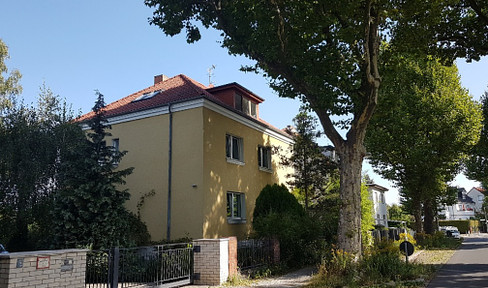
<point>454,233</point>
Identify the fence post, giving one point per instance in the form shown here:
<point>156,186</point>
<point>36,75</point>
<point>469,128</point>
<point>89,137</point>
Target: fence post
<point>115,268</point>
<point>232,256</point>
<point>276,250</point>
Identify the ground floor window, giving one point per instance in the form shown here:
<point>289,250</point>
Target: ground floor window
<point>236,207</point>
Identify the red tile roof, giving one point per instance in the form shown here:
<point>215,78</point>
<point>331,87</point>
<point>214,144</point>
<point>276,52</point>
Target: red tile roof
<point>176,89</point>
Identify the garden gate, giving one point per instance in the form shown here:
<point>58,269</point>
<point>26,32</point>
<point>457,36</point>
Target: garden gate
<point>156,266</point>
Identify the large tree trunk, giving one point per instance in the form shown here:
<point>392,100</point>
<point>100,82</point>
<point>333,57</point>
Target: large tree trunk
<point>417,214</point>
<point>349,233</point>
<point>429,216</point>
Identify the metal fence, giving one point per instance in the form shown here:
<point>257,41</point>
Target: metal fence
<point>253,253</point>
<point>162,265</point>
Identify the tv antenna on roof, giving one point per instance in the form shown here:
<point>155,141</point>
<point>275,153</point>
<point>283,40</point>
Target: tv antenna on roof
<point>210,72</point>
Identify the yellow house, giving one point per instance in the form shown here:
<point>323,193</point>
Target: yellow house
<point>204,151</point>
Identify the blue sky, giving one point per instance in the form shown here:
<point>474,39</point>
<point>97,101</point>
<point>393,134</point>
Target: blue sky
<point>76,47</point>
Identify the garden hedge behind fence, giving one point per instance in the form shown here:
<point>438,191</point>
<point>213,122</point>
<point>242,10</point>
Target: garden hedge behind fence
<point>462,225</point>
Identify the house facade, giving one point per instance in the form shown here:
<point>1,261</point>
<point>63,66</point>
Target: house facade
<point>463,209</point>
<point>377,193</point>
<point>201,156</point>
<point>478,195</point>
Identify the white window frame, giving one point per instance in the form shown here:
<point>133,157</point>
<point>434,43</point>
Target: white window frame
<point>263,163</point>
<point>116,148</point>
<point>245,105</point>
<point>236,207</point>
<point>230,142</point>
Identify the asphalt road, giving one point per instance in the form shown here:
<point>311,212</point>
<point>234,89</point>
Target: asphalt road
<point>468,267</point>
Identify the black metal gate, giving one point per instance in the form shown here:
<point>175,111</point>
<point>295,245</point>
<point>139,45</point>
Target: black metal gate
<point>155,266</point>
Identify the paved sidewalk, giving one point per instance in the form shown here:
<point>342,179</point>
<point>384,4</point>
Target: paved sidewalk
<point>294,279</point>
<point>468,267</point>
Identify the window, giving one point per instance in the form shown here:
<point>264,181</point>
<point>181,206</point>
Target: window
<point>245,105</point>
<point>233,148</point>
<point>147,95</point>
<point>480,198</point>
<point>236,208</point>
<point>116,150</point>
<point>264,157</point>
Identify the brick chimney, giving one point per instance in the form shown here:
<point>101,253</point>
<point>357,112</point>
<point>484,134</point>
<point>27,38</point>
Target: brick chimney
<point>160,78</point>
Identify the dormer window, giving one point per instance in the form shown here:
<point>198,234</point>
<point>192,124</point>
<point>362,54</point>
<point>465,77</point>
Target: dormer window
<point>245,105</point>
<point>147,95</point>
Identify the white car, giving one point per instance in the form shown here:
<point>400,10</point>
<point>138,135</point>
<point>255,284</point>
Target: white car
<point>454,233</point>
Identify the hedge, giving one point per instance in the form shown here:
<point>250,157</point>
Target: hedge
<point>462,225</point>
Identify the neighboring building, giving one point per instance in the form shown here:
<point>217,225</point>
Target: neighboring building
<point>464,209</point>
<point>377,194</point>
<point>204,148</point>
<point>478,196</point>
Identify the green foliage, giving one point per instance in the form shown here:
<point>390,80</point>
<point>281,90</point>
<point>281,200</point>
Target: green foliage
<point>424,126</point>
<point>448,28</point>
<point>477,163</point>
<point>438,240</point>
<point>31,140</point>
<point>89,207</point>
<point>367,216</point>
<point>9,84</point>
<point>326,212</point>
<point>311,168</point>
<point>380,268</point>
<point>278,214</point>
<point>277,199</point>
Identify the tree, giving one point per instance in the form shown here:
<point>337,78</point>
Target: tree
<point>89,207</point>
<point>311,168</point>
<point>30,143</point>
<point>9,84</point>
<point>423,128</point>
<point>477,163</point>
<point>458,27</point>
<point>324,52</point>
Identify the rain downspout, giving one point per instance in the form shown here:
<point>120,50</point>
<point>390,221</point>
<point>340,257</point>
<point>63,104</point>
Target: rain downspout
<point>170,156</point>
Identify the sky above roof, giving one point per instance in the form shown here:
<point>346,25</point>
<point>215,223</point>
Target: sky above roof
<point>77,47</point>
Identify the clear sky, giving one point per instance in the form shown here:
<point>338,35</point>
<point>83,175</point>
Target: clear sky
<point>76,47</point>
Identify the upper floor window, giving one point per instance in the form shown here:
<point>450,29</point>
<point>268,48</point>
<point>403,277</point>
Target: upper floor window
<point>245,105</point>
<point>264,157</point>
<point>480,198</point>
<point>234,148</point>
<point>116,149</point>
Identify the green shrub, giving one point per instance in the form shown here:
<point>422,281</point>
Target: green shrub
<point>277,199</point>
<point>278,214</point>
<point>436,240</point>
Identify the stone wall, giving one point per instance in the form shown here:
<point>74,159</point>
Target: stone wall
<point>53,268</point>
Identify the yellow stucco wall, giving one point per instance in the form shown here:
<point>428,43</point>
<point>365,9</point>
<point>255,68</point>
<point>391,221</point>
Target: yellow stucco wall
<point>201,174</point>
<point>220,176</point>
<point>146,141</point>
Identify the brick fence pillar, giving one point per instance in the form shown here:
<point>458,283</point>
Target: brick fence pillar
<point>211,261</point>
<point>51,268</point>
<point>232,256</point>
<point>276,250</point>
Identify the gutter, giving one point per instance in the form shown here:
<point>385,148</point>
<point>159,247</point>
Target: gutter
<point>170,156</point>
